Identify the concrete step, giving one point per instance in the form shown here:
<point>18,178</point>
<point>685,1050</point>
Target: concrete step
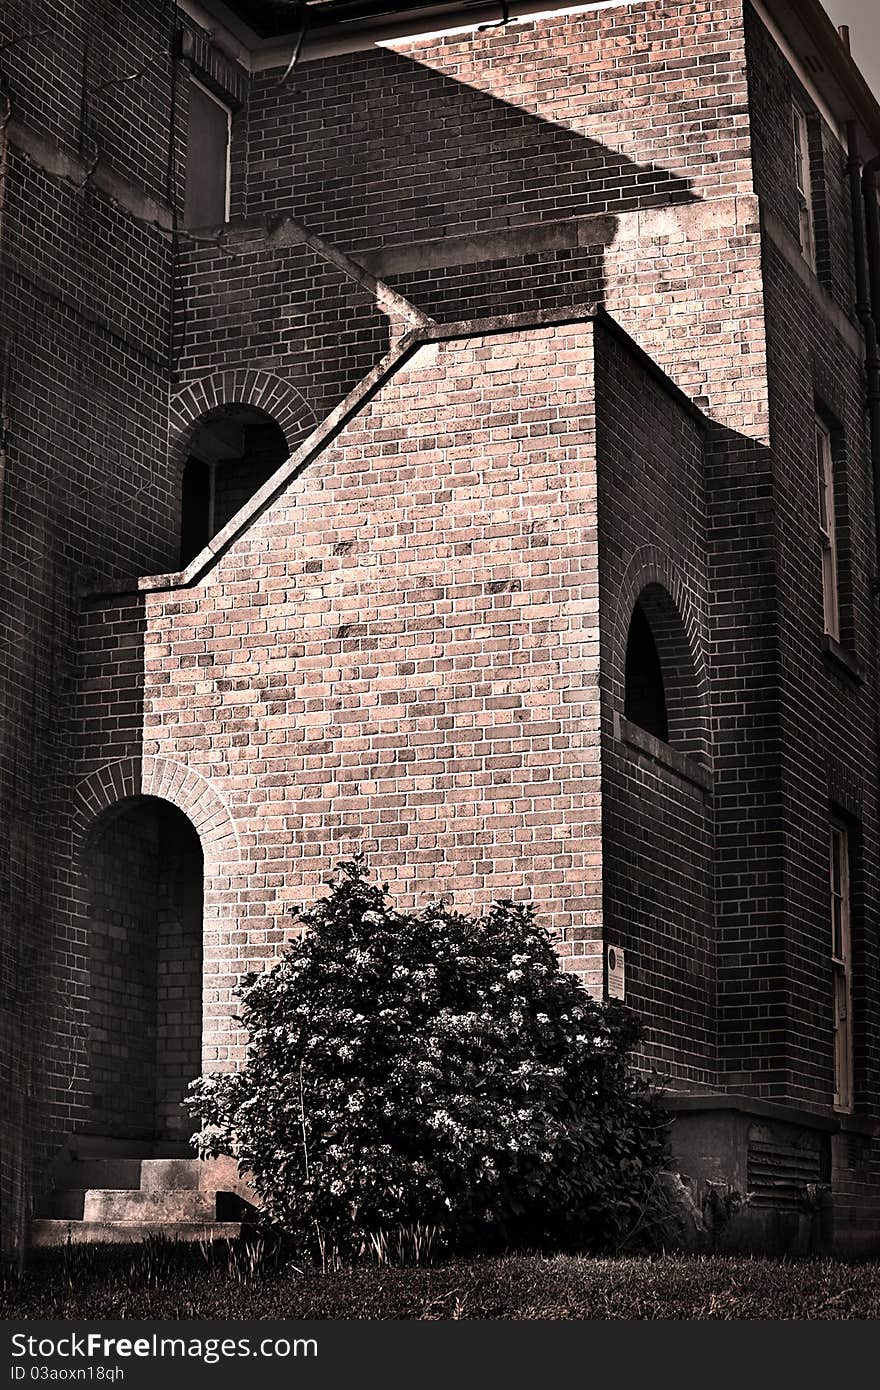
<point>51,1233</point>
<point>193,1174</point>
<point>172,1174</point>
<point>152,1207</point>
<point>115,1190</point>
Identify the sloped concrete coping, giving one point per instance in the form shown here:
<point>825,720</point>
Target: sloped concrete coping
<point>322,437</point>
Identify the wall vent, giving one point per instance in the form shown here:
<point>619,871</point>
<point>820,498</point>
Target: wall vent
<point>779,1174</point>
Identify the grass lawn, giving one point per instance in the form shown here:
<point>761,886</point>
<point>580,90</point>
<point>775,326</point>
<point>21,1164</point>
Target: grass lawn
<point>164,1281</point>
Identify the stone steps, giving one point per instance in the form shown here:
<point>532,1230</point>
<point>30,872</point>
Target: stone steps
<point>184,1174</point>
<point>152,1208</point>
<point>104,1192</point>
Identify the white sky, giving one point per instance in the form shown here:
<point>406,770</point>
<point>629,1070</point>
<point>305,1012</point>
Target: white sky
<point>863,18</point>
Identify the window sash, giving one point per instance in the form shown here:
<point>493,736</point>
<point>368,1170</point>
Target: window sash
<point>827,531</point>
<point>841,965</point>
<point>804,185</point>
<point>208,168</point>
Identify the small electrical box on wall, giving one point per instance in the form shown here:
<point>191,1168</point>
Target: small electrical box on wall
<point>615,973</point>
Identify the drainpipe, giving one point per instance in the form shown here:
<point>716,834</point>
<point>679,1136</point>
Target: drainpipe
<point>5,119</point>
<point>872,225</point>
<point>866,239</point>
<point>872,222</point>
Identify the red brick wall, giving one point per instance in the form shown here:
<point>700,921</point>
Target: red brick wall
<point>402,651</point>
<point>401,654</point>
<point>284,309</point>
<point>506,129</point>
<point>657,824</point>
<point>828,712</point>
<point>86,486</point>
<point>54,54</point>
<point>773,88</point>
<point>596,112</point>
<point>610,114</point>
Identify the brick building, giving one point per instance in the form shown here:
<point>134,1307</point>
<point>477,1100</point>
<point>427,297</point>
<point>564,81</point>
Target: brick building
<point>451,431</point>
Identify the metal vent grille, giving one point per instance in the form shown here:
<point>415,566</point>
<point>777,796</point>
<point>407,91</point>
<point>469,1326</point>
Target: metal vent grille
<point>779,1174</point>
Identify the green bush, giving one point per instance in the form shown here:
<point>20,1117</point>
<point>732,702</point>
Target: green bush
<point>432,1070</point>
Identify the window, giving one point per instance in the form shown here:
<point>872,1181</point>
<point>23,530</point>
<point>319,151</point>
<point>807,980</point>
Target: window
<point>841,965</point>
<point>234,449</point>
<point>645,696</point>
<point>827,530</point>
<point>663,693</point>
<point>207,162</point>
<point>806,226</point>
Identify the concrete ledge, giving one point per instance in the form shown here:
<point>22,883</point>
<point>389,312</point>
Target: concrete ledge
<point>673,222</point>
<point>684,765</point>
<point>431,333</point>
<point>841,659</point>
<point>791,253</point>
<point>682,1103</point>
<point>53,159</point>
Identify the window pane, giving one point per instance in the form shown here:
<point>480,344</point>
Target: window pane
<point>645,694</point>
<point>841,980</point>
<point>827,529</point>
<point>836,860</point>
<point>821,480</point>
<point>837,928</point>
<point>799,143</point>
<point>207,160</point>
<point>803,182</point>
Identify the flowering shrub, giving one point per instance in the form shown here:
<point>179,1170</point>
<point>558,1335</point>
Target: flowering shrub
<point>431,1068</point>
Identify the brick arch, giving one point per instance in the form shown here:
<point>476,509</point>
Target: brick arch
<point>287,405</point>
<point>652,578</point>
<point>99,798</point>
<point>182,786</point>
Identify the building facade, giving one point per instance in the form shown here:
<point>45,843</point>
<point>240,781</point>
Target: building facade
<point>451,432</point>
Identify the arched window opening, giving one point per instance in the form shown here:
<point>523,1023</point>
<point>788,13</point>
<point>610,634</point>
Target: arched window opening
<point>662,691</point>
<point>233,451</point>
<point>143,882</point>
<point>645,701</point>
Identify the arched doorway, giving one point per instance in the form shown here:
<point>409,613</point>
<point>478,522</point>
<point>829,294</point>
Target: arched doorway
<point>233,450</point>
<point>143,880</point>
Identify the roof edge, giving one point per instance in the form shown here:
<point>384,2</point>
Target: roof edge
<point>813,20</point>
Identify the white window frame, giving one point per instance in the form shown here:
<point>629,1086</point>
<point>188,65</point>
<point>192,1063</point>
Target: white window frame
<point>841,964</point>
<point>827,529</point>
<point>804,184</point>
<point>227,173</point>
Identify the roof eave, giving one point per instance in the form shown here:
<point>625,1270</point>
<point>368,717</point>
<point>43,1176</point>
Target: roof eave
<point>852,98</point>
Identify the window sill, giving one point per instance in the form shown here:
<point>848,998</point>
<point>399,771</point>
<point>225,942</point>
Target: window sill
<point>840,659</point>
<point>684,765</point>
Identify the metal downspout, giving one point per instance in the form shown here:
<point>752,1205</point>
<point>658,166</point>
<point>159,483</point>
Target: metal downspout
<point>872,229</point>
<point>866,243</point>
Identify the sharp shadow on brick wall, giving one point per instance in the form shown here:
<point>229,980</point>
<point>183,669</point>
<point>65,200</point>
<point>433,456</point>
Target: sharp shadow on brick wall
<point>380,178</point>
<point>487,166</point>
